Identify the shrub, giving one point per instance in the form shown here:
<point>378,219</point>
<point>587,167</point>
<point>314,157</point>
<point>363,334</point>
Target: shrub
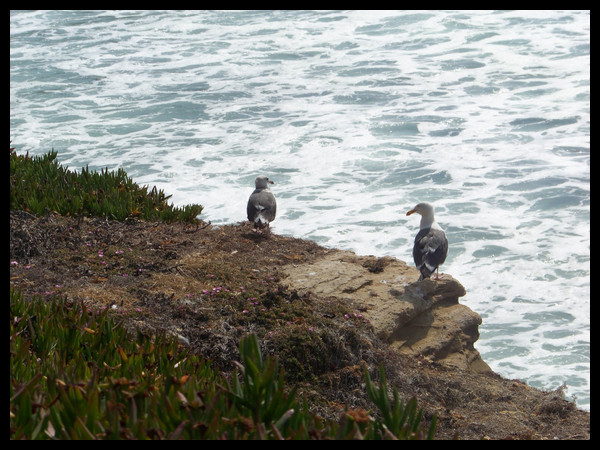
<point>41,184</point>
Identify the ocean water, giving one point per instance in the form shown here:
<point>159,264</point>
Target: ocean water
<point>356,116</point>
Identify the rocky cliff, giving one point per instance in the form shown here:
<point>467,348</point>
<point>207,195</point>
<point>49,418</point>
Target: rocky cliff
<point>328,315</point>
<point>415,318</point>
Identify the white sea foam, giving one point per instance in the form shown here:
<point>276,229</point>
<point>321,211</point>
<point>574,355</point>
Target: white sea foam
<point>357,116</point>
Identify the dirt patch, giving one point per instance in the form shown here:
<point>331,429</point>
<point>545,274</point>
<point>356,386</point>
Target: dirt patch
<point>211,285</point>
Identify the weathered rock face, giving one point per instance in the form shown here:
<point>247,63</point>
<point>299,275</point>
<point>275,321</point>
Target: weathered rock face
<point>420,318</point>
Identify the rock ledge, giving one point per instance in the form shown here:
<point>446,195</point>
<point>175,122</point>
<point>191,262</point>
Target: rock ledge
<point>419,318</point>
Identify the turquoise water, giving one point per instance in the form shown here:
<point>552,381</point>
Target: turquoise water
<point>357,116</point>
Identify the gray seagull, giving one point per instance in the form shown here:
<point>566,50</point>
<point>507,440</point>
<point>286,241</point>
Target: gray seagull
<point>262,206</point>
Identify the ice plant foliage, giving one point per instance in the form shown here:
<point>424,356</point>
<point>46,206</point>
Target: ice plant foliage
<point>110,194</point>
<point>78,374</point>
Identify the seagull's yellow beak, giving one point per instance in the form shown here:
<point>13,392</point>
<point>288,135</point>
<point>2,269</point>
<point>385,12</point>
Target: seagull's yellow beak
<point>410,212</point>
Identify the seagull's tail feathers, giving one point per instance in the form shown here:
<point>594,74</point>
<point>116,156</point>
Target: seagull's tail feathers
<point>425,272</point>
<point>260,221</point>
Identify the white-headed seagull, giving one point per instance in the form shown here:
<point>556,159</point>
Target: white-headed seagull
<point>431,244</point>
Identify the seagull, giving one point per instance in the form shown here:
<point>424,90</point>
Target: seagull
<point>431,244</point>
<point>262,206</point>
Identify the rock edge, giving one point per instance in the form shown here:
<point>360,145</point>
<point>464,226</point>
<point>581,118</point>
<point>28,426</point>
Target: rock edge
<point>416,318</point>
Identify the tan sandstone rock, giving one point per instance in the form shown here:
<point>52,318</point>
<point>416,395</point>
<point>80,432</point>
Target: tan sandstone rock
<point>420,318</point>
